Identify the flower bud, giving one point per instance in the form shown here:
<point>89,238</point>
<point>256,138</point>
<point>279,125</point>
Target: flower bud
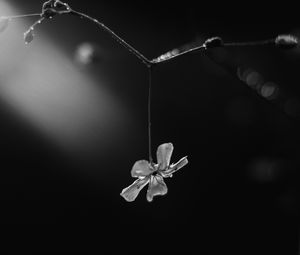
<point>286,41</point>
<point>213,42</point>
<point>28,36</point>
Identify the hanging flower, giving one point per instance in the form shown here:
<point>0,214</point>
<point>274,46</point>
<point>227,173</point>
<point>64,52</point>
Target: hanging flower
<point>153,174</point>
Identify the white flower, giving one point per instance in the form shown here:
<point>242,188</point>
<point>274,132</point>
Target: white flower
<point>153,174</point>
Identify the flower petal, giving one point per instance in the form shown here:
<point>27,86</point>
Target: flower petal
<point>131,192</point>
<point>157,187</point>
<point>141,168</point>
<point>164,153</point>
<point>174,167</point>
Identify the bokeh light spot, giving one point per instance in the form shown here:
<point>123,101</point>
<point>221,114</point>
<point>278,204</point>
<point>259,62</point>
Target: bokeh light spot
<point>86,53</point>
<point>269,90</point>
<point>292,107</point>
<point>265,169</point>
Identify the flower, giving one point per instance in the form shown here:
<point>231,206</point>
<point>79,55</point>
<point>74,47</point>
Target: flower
<point>153,174</point>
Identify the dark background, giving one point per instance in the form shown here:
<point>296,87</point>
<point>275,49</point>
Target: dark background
<point>240,192</point>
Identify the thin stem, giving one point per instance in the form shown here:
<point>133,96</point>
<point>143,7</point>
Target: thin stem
<point>256,43</point>
<point>22,16</point>
<point>36,23</point>
<point>126,45</point>
<point>289,42</point>
<point>140,56</point>
<point>149,115</point>
<point>171,56</point>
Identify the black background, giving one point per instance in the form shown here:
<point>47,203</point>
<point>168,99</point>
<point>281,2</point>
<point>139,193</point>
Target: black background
<point>214,205</point>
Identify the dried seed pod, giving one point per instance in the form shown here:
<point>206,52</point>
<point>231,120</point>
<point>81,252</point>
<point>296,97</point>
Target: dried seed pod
<point>48,13</point>
<point>286,41</point>
<point>214,42</point>
<point>28,36</point>
<point>53,7</point>
<point>48,4</point>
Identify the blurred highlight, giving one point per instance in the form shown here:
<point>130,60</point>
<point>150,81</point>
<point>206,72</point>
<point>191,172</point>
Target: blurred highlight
<point>87,53</point>
<point>268,90</point>
<point>41,84</point>
<point>265,170</point>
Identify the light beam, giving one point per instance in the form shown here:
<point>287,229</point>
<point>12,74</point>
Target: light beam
<point>41,84</point>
